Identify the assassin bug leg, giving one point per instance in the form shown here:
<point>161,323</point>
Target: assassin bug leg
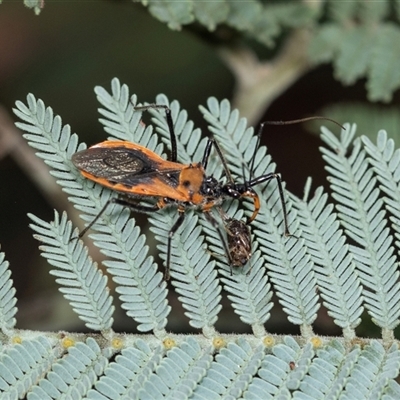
<point>215,224</point>
<point>170,123</point>
<point>171,233</point>
<point>126,203</point>
<point>265,178</point>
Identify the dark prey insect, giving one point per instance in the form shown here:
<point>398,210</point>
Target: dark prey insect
<point>136,172</point>
<point>238,241</point>
<point>237,244</point>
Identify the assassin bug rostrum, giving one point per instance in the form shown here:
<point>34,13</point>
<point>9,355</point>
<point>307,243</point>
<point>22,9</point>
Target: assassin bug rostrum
<point>136,173</point>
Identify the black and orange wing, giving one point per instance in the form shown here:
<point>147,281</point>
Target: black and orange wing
<point>130,168</point>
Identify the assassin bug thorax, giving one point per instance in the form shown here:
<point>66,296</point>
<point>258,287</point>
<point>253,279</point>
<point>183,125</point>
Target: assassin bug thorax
<point>136,173</point>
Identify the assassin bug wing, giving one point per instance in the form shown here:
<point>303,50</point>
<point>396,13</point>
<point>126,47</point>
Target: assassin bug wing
<point>110,159</point>
<point>134,170</point>
<point>115,164</point>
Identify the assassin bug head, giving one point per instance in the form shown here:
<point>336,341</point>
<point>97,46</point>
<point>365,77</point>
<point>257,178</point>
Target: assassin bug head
<point>245,189</point>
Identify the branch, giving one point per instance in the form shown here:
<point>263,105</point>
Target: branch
<point>260,83</point>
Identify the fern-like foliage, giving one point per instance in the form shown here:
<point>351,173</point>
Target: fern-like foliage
<point>364,218</point>
<point>365,49</point>
<point>119,238</point>
<point>261,21</point>
<point>36,5</point>
<point>82,283</point>
<point>335,271</point>
<point>360,39</point>
<point>347,257</point>
<point>386,165</point>
<point>7,297</point>
<point>72,376</point>
<point>22,364</point>
<point>132,371</point>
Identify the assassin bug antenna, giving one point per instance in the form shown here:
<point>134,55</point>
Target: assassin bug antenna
<point>298,121</point>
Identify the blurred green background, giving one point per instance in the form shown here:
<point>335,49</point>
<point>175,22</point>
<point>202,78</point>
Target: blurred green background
<point>61,55</point>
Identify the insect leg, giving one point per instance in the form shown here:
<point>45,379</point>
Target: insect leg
<point>211,141</point>
<point>268,177</point>
<point>174,152</point>
<point>122,202</point>
<point>215,224</point>
<point>171,233</point>
<point>256,200</point>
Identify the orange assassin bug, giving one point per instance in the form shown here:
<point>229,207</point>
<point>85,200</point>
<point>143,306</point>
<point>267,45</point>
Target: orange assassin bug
<point>136,172</point>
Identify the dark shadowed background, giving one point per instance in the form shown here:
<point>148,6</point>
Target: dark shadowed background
<point>60,56</point>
